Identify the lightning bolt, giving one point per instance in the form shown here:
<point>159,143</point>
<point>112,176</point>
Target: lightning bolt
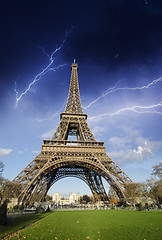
<point>136,109</point>
<point>102,95</point>
<point>43,50</point>
<point>45,70</point>
<point>114,89</point>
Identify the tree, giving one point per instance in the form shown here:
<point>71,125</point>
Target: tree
<point>152,188</point>
<point>155,190</point>
<point>9,189</point>
<point>155,184</point>
<point>131,192</point>
<point>142,190</point>
<point>3,182</point>
<point>85,199</point>
<point>157,171</point>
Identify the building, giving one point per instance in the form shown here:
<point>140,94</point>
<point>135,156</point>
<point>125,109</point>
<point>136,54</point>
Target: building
<point>72,199</point>
<point>56,198</point>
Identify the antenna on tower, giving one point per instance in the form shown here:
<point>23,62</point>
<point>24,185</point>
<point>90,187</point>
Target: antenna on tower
<point>74,61</point>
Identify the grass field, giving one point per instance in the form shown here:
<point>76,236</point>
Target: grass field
<point>97,224</point>
<point>20,222</point>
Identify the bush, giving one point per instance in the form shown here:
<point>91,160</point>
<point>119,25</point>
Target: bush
<point>140,207</point>
<point>15,207</point>
<point>3,213</point>
<point>112,206</point>
<point>18,207</point>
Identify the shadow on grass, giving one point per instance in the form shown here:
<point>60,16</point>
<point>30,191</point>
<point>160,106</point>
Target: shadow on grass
<point>20,222</point>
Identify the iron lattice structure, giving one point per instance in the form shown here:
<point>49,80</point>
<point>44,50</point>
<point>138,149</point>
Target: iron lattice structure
<point>84,158</point>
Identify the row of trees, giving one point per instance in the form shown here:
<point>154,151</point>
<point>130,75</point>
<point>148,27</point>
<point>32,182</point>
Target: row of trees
<point>152,188</point>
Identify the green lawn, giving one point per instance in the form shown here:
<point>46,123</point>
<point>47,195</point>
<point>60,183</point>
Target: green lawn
<point>20,222</point>
<point>97,224</point>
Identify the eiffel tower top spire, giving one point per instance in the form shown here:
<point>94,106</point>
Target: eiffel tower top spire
<point>74,103</point>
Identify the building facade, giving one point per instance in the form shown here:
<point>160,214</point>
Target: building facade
<point>72,199</point>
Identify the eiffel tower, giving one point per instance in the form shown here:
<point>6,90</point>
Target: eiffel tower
<point>84,158</point>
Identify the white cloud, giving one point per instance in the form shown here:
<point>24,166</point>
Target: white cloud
<point>117,142</point>
<point>132,147</point>
<point>131,155</point>
<point>5,151</point>
<point>98,131</point>
<point>48,134</point>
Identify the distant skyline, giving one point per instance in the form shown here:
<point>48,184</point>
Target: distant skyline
<point>118,48</point>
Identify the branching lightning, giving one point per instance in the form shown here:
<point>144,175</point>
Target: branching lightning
<point>114,89</point>
<point>102,95</point>
<point>44,71</point>
<point>43,50</point>
<point>136,109</point>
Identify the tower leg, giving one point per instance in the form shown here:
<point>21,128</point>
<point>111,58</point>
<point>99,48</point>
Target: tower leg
<point>96,186</point>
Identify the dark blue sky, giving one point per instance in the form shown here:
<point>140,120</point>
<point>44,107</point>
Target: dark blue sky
<point>117,44</point>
